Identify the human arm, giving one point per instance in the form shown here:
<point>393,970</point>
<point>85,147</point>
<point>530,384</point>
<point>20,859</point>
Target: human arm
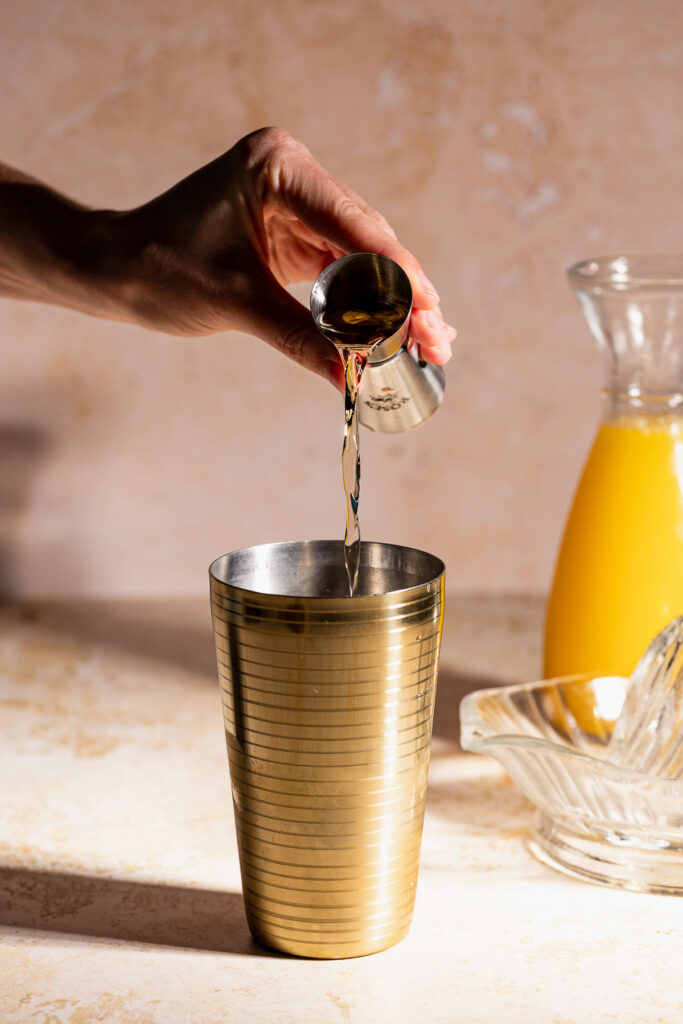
<point>212,253</point>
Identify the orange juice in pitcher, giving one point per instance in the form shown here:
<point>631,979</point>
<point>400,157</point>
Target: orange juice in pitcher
<point>619,573</point>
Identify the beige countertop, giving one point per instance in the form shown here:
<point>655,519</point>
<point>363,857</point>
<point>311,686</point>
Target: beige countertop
<point>119,881</point>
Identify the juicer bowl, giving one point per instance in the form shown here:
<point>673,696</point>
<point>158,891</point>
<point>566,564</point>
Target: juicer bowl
<point>593,820</point>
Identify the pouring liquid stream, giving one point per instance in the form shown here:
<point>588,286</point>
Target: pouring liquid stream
<point>354,363</point>
<point>355,332</point>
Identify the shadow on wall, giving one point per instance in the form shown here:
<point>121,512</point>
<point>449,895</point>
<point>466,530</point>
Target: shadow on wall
<point>451,688</point>
<point>178,633</point>
<point>22,450</point>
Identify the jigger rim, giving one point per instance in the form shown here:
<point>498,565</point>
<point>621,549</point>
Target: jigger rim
<point>342,267</point>
<point>433,568</point>
<point>339,266</point>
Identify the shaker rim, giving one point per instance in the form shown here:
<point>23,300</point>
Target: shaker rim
<point>433,572</point>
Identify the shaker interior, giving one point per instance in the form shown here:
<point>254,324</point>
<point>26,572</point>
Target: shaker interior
<point>316,569</point>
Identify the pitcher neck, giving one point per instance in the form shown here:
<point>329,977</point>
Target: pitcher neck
<point>642,371</point>
<point>634,404</point>
<point>634,308</point>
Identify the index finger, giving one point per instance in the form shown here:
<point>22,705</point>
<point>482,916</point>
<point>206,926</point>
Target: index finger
<point>345,220</point>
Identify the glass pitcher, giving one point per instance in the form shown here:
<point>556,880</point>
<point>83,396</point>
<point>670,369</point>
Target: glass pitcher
<point>619,573</point>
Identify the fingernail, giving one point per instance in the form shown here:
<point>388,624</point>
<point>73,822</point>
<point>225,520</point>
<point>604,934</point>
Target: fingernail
<point>451,333</point>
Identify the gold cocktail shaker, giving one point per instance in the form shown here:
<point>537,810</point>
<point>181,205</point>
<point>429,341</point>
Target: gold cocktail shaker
<point>328,703</point>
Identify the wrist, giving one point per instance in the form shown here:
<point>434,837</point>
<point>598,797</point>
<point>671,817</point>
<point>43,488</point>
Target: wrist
<point>91,260</point>
<point>57,251</point>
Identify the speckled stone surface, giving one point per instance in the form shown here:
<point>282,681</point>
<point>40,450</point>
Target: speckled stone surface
<point>119,882</point>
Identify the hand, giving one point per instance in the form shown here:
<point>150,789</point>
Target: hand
<point>215,252</point>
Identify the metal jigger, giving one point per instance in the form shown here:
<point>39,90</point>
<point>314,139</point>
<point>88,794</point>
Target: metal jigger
<point>398,391</point>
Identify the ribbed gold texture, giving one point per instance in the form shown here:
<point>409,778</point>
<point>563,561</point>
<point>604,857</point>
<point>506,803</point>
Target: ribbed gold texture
<point>328,705</point>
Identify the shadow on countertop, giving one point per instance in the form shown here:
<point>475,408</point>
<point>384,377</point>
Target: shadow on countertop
<point>140,912</point>
<point>173,632</point>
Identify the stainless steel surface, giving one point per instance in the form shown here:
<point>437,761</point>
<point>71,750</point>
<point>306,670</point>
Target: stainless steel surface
<point>328,704</point>
<point>361,279</point>
<point>398,392</point>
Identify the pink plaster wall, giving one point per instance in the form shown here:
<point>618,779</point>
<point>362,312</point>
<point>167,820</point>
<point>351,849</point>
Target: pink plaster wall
<point>503,140</point>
